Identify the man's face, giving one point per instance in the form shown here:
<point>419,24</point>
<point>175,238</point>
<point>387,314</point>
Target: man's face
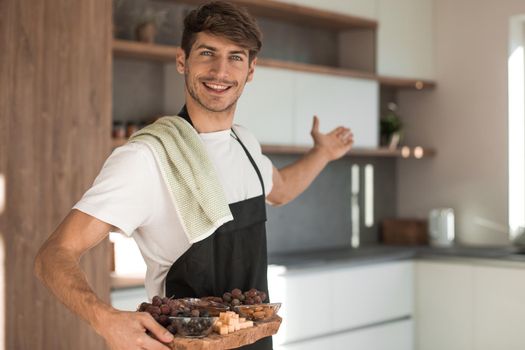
<point>215,72</point>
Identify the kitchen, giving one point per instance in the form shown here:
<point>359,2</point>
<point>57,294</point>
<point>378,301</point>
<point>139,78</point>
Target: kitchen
<point>64,82</point>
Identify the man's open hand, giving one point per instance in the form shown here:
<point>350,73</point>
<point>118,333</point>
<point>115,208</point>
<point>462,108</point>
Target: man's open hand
<point>127,331</point>
<point>334,144</point>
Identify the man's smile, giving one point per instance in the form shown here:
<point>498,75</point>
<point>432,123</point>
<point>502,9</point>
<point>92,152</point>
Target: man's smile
<point>216,87</point>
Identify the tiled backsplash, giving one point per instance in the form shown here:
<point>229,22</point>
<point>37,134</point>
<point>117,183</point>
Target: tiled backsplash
<point>321,216</point>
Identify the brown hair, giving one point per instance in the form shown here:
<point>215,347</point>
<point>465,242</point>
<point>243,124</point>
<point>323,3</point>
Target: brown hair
<point>226,20</point>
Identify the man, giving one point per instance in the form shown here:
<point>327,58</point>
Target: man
<point>218,57</point>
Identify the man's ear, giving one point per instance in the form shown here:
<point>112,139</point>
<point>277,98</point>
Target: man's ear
<point>180,60</point>
<point>251,70</point>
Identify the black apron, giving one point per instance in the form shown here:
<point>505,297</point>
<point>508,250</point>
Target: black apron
<point>234,256</point>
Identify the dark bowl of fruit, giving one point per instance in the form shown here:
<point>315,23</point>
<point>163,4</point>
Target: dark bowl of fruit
<point>205,306</point>
<point>192,327</point>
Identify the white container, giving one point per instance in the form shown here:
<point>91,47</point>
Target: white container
<point>441,227</point>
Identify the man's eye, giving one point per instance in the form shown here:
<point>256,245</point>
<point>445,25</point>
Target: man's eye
<point>206,53</point>
<point>236,58</point>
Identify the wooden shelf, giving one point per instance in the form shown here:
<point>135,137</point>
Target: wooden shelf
<point>382,152</point>
<point>144,51</point>
<point>164,53</point>
<point>404,152</point>
<point>299,14</point>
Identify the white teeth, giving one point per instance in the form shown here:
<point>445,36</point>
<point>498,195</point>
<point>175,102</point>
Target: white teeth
<point>216,86</point>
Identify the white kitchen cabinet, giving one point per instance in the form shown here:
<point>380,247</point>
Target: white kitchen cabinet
<point>444,308</point>
<point>320,301</point>
<point>405,38</point>
<point>391,336</point>
<point>323,343</point>
<point>372,294</point>
<point>499,302</point>
<point>278,106</point>
<point>266,106</point>
<point>128,299</point>
<point>336,101</point>
<point>307,305</point>
<point>359,8</point>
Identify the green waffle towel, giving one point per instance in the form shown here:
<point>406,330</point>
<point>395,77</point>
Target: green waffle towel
<point>189,174</point>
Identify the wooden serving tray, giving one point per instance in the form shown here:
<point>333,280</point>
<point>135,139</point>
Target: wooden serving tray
<point>230,341</point>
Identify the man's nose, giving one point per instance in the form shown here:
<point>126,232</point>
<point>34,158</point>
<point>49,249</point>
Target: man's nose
<point>220,68</point>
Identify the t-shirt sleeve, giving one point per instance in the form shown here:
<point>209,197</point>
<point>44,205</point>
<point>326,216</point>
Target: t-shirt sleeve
<point>263,162</point>
<point>119,195</point>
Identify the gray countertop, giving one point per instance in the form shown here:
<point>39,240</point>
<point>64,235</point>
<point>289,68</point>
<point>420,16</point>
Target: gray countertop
<point>382,253</point>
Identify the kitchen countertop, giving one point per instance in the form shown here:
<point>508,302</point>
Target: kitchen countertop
<point>373,254</point>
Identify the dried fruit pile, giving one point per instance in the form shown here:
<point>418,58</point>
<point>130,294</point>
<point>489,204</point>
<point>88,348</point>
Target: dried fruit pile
<point>236,297</point>
<point>164,310</point>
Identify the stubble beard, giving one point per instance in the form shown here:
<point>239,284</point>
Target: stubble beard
<point>194,95</point>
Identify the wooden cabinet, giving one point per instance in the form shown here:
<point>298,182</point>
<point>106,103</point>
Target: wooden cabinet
<point>461,306</point>
<point>320,301</point>
<point>405,38</point>
<point>360,8</point>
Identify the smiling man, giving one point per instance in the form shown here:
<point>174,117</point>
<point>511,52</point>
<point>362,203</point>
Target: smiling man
<point>136,195</point>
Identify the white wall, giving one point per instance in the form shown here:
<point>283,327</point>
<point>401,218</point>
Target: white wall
<point>465,119</point>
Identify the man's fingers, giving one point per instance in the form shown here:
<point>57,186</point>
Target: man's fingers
<point>158,331</point>
<point>151,344</point>
<point>315,125</point>
<point>339,131</point>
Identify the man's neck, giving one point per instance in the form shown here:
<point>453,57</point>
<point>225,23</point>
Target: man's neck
<point>205,121</point>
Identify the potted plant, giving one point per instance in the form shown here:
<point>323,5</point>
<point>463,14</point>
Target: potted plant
<point>391,127</point>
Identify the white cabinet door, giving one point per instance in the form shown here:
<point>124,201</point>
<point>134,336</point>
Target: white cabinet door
<point>500,308</point>
<point>336,101</point>
<point>405,38</point>
<point>320,301</point>
<point>372,294</point>
<point>307,305</point>
<point>444,306</point>
<point>359,8</point>
<point>266,106</point>
<point>128,299</point>
<point>324,343</point>
<point>391,336</point>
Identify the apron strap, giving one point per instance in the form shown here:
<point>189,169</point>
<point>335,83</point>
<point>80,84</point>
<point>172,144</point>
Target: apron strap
<point>185,115</point>
<point>251,161</point>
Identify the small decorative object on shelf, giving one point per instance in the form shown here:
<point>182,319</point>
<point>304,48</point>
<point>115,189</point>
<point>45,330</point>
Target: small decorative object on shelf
<point>119,131</point>
<point>148,22</point>
<point>391,127</point>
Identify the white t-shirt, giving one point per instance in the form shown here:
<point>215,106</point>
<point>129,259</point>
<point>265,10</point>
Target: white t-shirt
<point>130,194</point>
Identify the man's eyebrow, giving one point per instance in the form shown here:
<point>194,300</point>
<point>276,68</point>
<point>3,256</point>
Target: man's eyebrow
<point>204,46</point>
<point>211,48</point>
<point>237,52</point>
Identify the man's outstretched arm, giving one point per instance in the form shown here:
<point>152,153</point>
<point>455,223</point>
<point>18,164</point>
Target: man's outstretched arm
<point>292,180</point>
<point>57,266</point>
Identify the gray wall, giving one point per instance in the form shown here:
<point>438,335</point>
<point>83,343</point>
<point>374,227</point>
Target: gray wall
<point>465,119</point>
<point>320,218</point>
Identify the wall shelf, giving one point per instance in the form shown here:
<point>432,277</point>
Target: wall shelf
<point>381,152</point>
<point>299,14</point>
<point>164,53</point>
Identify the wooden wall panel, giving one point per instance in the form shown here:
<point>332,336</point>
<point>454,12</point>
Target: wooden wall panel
<point>55,121</point>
